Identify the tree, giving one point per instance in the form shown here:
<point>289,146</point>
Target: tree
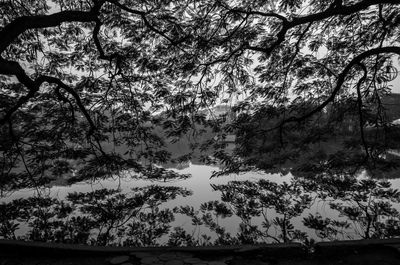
<point>86,83</point>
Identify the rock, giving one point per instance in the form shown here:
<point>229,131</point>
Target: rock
<point>247,248</point>
<point>140,255</point>
<point>183,255</point>
<point>119,260</point>
<point>174,262</point>
<point>149,260</point>
<point>248,261</point>
<point>167,256</point>
<point>193,260</point>
<point>14,262</point>
<point>396,247</point>
<point>216,263</point>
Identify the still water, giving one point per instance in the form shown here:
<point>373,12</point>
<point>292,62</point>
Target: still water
<point>360,215</point>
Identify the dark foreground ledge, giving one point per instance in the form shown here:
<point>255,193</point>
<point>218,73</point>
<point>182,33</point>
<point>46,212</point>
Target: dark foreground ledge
<point>350,246</point>
<point>28,248</point>
<point>15,247</point>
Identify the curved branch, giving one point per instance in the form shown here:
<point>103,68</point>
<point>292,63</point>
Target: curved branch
<point>12,30</point>
<point>145,20</point>
<point>14,68</point>
<point>338,10</point>
<point>97,43</point>
<point>127,9</point>
<point>259,13</point>
<point>75,95</point>
<point>333,10</point>
<point>341,79</point>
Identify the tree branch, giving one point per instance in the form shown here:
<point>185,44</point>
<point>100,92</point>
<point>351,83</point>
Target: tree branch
<point>12,30</point>
<point>338,10</point>
<point>100,49</point>
<point>14,68</point>
<point>145,20</point>
<point>127,9</point>
<point>75,95</point>
<point>333,10</point>
<point>341,79</point>
<point>259,13</point>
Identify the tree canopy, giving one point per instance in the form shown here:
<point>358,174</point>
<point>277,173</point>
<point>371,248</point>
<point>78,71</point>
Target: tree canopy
<point>100,85</point>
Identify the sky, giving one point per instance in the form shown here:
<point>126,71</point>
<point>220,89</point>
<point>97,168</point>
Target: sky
<point>396,85</point>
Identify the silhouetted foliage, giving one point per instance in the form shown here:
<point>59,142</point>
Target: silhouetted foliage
<point>88,83</point>
<point>101,88</point>
<point>262,211</point>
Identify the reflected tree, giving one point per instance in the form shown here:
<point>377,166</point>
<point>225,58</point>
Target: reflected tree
<point>367,204</point>
<point>253,199</point>
<point>264,211</point>
<point>101,217</point>
<point>209,215</point>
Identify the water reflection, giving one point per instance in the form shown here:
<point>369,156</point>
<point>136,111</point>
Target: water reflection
<point>325,196</point>
<point>234,212</point>
<point>101,217</point>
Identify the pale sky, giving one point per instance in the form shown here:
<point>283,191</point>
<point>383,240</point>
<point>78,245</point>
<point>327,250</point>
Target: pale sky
<point>396,85</point>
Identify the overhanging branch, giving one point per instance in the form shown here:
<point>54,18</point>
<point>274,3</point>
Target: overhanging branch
<point>333,10</point>
<point>12,30</point>
<point>341,79</point>
<point>75,95</point>
<point>14,68</point>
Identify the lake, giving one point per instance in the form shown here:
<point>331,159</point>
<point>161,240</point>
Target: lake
<point>251,207</point>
